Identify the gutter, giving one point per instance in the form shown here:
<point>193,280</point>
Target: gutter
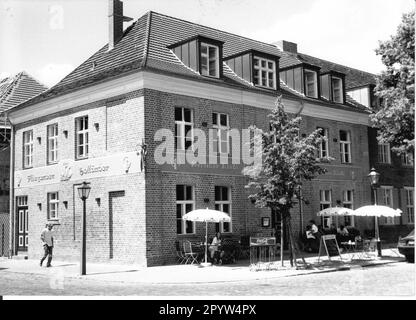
<point>12,216</point>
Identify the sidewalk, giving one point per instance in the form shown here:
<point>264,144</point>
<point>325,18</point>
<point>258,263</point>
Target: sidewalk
<point>180,274</point>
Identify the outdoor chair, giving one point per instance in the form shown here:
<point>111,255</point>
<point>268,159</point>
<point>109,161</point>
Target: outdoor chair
<point>179,253</point>
<point>229,249</point>
<point>190,256</point>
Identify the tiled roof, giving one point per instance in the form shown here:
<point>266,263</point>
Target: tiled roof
<point>17,89</point>
<point>145,45</point>
<point>353,77</point>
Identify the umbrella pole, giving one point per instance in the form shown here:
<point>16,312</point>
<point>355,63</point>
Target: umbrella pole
<point>206,240</point>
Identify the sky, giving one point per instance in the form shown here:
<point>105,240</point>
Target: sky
<point>49,38</point>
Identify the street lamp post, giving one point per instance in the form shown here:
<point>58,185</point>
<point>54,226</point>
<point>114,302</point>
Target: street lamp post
<point>84,192</point>
<point>374,177</point>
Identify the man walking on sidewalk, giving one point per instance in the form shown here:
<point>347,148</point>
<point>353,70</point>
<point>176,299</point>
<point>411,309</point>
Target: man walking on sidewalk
<point>47,240</point>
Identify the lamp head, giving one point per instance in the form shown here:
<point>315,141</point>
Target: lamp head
<point>374,177</point>
<point>84,191</point>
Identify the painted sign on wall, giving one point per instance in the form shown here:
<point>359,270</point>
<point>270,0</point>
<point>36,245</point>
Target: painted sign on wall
<point>70,170</point>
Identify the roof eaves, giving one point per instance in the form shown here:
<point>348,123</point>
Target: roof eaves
<point>147,39</point>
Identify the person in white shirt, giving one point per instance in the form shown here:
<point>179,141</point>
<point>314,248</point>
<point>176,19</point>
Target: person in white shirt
<point>216,242</point>
<point>47,241</point>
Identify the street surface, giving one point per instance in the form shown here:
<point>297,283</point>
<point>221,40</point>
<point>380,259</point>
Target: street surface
<point>397,279</point>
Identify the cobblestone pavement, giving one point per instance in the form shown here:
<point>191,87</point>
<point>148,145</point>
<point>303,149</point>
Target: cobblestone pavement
<point>397,279</point>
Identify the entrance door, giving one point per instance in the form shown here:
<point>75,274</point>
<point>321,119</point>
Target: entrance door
<point>22,228</point>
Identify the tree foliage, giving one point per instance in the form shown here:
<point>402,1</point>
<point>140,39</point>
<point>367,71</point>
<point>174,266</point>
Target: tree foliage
<point>394,118</point>
<point>288,159</point>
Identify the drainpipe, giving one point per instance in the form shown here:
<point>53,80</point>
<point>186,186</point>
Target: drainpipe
<point>12,216</point>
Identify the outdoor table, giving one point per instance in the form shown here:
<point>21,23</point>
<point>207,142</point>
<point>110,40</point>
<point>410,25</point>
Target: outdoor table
<point>199,248</point>
<point>349,248</point>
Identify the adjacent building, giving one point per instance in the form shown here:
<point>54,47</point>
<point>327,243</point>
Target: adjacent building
<point>13,91</point>
<point>102,124</point>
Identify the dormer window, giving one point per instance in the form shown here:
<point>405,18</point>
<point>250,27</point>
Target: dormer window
<point>337,95</point>
<point>210,60</point>
<point>332,86</point>
<point>311,83</point>
<point>201,54</point>
<point>264,72</point>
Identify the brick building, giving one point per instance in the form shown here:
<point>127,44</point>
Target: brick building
<point>101,124</point>
<point>13,91</point>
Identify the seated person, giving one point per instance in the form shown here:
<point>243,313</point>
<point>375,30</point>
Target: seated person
<point>333,229</point>
<point>311,240</point>
<point>343,231</point>
<point>214,247</point>
<point>343,234</point>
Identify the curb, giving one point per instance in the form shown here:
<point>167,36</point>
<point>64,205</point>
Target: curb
<point>271,276</point>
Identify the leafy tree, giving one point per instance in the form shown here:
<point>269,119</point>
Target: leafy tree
<point>394,118</point>
<point>288,159</point>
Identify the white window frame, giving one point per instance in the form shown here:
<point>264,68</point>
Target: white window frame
<point>205,53</point>
<point>314,82</point>
<point>407,159</point>
<point>85,137</point>
<point>348,202</point>
<point>53,205</point>
<point>52,137</point>
<point>345,147</point>
<point>324,203</point>
<point>258,69</point>
<point>180,137</point>
<point>410,205</point>
<point>183,204</point>
<point>220,204</point>
<point>28,149</point>
<point>387,193</point>
<point>324,153</point>
<point>336,89</point>
<point>384,153</point>
<point>219,129</point>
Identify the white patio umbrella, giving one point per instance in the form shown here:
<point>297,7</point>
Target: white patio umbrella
<point>336,211</point>
<point>206,215</point>
<point>377,211</point>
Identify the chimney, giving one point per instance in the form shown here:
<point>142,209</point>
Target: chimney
<point>287,46</point>
<point>115,22</point>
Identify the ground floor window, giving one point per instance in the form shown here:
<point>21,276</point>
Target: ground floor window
<point>185,202</point>
<point>325,202</point>
<point>53,203</point>
<point>348,202</point>
<point>410,211</point>
<point>223,203</point>
<point>386,199</point>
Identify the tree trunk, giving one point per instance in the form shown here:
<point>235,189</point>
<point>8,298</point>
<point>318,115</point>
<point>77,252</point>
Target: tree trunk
<point>281,238</point>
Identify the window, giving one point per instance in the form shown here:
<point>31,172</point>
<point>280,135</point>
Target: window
<point>410,209</point>
<point>384,153</point>
<point>53,203</point>
<point>52,131</point>
<point>387,200</point>
<point>325,202</point>
<point>210,60</point>
<point>337,94</point>
<point>407,159</point>
<point>220,122</point>
<point>345,146</point>
<point>81,139</point>
<point>223,203</point>
<point>323,147</point>
<point>183,128</point>
<point>28,149</point>
<point>184,203</point>
<point>311,83</point>
<point>264,73</point>
<point>348,202</point>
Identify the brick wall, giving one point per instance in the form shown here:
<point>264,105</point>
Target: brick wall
<point>161,181</point>
<point>120,128</point>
